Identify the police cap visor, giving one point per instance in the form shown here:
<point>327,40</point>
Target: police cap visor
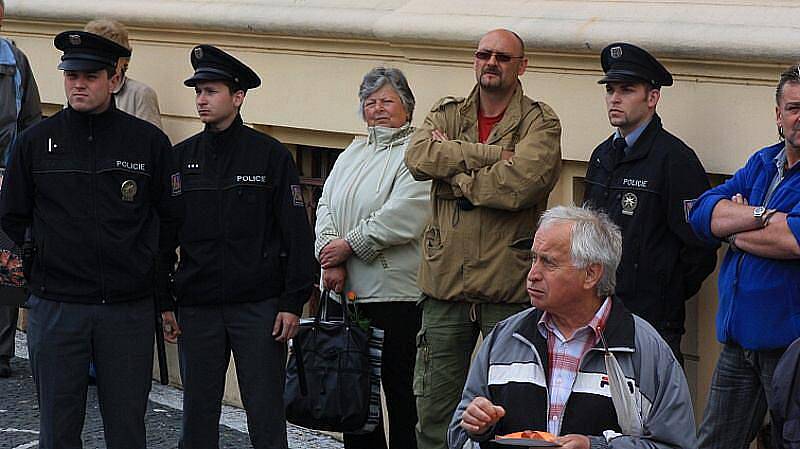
<point>212,64</point>
<point>88,52</point>
<point>626,62</point>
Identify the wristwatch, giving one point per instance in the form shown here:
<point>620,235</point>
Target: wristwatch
<point>762,214</point>
<point>758,212</point>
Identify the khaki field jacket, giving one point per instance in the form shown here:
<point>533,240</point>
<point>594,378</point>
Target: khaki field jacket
<point>483,254</point>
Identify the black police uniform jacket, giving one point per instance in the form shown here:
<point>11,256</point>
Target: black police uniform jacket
<point>246,235</point>
<point>96,188</point>
<point>649,194</point>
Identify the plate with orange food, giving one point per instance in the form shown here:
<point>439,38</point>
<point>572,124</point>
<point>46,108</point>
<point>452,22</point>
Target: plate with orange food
<point>527,438</point>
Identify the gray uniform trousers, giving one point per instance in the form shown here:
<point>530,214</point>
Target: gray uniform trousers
<point>119,338</point>
<point>209,333</point>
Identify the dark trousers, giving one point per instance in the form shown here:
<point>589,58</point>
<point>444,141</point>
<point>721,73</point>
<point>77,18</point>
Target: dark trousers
<point>740,395</point>
<point>401,322</point>
<point>673,340</point>
<point>8,328</point>
<point>62,337</point>
<point>209,335</point>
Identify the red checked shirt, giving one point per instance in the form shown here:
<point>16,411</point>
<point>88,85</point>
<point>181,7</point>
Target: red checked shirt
<point>564,358</point>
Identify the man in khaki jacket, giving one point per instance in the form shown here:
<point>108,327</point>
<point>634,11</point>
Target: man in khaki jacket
<point>493,157</point>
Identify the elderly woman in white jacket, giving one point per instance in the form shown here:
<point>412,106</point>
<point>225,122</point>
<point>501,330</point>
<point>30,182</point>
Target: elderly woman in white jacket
<point>369,221</point>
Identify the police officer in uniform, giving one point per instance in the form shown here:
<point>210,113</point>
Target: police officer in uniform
<point>647,179</point>
<point>100,188</point>
<point>246,259</point>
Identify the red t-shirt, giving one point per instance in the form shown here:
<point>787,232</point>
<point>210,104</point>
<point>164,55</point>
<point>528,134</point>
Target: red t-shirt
<point>485,125</point>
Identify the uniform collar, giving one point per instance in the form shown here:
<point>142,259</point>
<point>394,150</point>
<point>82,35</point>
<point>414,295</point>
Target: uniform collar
<point>100,120</point>
<point>221,140</point>
<point>632,137</point>
<point>644,142</point>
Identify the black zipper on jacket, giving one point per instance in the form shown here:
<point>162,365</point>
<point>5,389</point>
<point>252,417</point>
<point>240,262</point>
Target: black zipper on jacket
<point>94,211</point>
<point>220,213</point>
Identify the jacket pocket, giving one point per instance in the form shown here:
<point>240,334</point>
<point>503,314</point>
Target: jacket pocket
<point>247,210</point>
<point>432,242</point>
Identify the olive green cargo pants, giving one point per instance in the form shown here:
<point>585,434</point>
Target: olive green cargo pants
<point>445,345</point>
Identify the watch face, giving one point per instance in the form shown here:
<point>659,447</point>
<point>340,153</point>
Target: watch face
<point>759,211</point>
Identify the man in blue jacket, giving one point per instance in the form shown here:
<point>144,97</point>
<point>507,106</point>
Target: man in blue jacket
<point>758,213</point>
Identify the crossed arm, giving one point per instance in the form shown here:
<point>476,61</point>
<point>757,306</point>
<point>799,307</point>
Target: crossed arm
<point>734,217</point>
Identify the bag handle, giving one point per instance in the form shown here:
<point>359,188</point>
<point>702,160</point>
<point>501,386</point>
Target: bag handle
<point>322,310</point>
<point>322,314</point>
<point>301,369</point>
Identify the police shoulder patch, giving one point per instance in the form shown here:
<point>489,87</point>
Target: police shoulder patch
<point>297,195</point>
<point>175,180</point>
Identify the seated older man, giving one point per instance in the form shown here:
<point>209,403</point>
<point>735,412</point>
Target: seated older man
<point>546,368</point>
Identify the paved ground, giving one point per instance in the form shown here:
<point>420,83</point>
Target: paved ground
<point>19,418</point>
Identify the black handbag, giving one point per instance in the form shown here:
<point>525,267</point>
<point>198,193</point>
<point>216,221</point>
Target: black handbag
<point>328,373</point>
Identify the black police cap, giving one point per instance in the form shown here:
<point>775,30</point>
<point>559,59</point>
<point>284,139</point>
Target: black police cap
<point>212,64</point>
<point>627,62</point>
<point>88,52</point>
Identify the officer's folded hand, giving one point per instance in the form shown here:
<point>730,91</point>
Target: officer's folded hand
<point>171,328</point>
<point>285,327</point>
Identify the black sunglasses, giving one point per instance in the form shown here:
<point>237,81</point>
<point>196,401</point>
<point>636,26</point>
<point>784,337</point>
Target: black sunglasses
<point>484,55</point>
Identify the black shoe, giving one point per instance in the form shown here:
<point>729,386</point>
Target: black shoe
<point>5,368</point>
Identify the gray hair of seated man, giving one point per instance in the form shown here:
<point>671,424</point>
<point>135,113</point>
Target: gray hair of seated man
<point>376,78</point>
<point>595,239</point>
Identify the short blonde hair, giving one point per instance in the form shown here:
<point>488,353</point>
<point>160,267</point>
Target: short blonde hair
<point>109,29</point>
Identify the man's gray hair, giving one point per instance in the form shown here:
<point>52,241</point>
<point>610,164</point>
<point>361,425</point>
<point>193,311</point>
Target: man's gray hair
<point>594,239</point>
<point>377,78</point>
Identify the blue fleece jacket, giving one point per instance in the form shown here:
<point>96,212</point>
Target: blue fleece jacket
<point>759,298</point>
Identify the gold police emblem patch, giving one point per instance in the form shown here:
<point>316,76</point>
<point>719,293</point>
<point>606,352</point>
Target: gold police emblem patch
<point>128,190</point>
<point>629,203</point>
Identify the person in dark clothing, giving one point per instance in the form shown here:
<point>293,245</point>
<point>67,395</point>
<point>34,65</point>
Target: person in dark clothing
<point>785,406</point>
<point>246,259</point>
<point>19,109</point>
<point>647,180</point>
<point>98,189</point>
